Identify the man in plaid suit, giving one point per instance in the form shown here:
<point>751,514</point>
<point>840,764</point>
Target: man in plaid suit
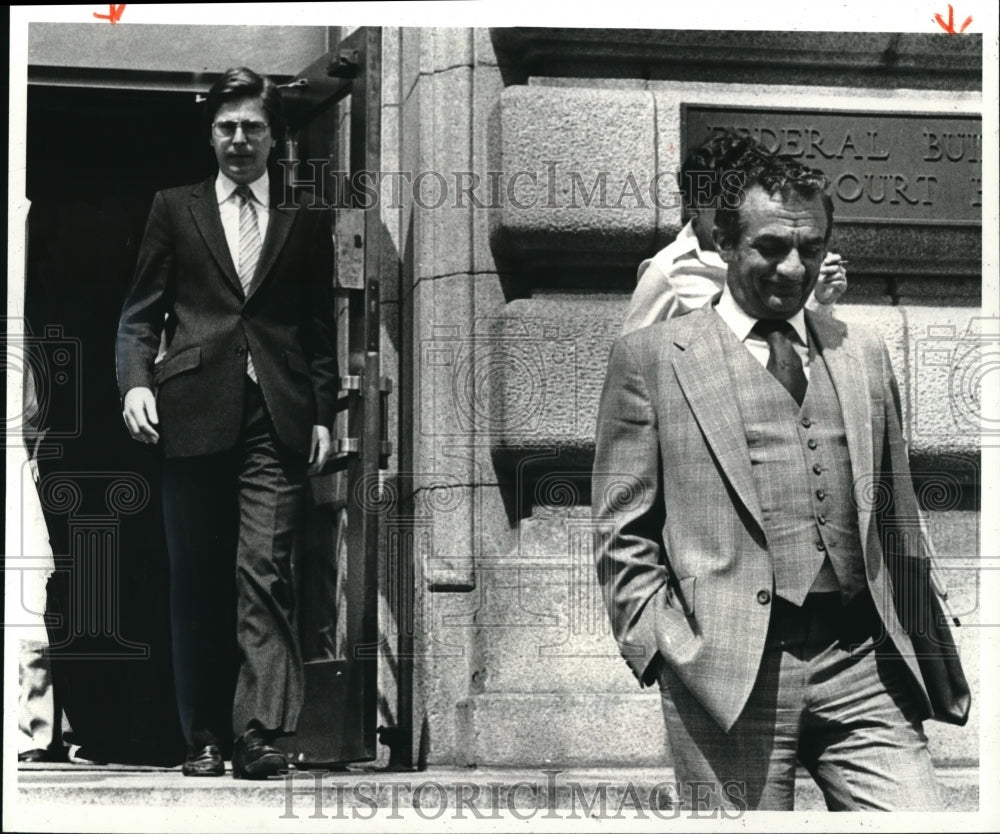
<point>739,551</point>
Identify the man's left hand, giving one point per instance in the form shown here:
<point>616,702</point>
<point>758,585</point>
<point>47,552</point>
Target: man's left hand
<point>319,451</point>
<point>832,281</point>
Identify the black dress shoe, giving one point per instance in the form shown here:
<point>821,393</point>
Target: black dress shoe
<point>254,758</point>
<point>206,761</point>
<point>78,755</point>
<point>37,755</point>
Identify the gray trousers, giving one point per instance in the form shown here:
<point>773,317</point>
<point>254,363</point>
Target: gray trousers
<point>830,695</point>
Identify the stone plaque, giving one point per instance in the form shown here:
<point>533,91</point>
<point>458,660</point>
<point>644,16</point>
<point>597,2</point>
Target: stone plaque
<point>922,168</point>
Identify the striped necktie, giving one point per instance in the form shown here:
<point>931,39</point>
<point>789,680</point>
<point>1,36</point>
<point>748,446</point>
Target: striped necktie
<point>249,237</point>
<point>250,246</point>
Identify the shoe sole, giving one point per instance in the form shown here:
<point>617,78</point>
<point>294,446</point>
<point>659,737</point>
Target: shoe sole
<point>270,764</point>
<point>192,772</point>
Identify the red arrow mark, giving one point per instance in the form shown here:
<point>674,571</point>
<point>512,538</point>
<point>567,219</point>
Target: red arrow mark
<point>949,27</point>
<point>115,13</point>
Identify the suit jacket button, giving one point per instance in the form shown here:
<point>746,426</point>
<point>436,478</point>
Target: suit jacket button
<point>239,351</point>
<point>763,597</point>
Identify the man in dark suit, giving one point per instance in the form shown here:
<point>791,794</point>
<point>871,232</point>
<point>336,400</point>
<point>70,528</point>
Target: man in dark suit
<point>239,278</point>
<point>741,554</point>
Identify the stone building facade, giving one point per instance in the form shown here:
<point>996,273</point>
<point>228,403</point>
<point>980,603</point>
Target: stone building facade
<point>505,276</point>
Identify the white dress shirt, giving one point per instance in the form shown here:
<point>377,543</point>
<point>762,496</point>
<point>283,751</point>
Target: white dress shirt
<point>741,323</point>
<point>677,279</point>
<point>229,210</point>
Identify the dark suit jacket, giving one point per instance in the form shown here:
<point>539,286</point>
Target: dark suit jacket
<point>286,320</point>
<point>681,550</point>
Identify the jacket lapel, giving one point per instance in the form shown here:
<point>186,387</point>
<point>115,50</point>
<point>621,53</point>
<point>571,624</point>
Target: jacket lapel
<point>847,373</point>
<point>700,366</point>
<point>205,211</point>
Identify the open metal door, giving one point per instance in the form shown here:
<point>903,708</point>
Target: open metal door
<point>338,570</point>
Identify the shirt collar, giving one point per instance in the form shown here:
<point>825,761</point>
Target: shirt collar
<point>686,244</point>
<point>224,188</point>
<point>741,323</point>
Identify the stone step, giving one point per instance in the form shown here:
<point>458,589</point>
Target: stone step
<point>513,794</point>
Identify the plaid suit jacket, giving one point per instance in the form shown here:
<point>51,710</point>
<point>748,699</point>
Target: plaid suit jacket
<point>680,547</point>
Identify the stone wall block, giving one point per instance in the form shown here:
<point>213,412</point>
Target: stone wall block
<point>391,61</point>
<point>410,38</point>
<point>536,730</point>
<point>451,441</point>
<point>452,352</point>
<point>669,156</point>
<point>482,47</point>
<point>549,358</point>
<point>541,624</point>
<point>413,156</point>
<point>388,246</point>
<point>487,86</point>
<point>555,146</point>
<point>950,351</point>
<point>460,528</point>
<point>445,245</point>
<point>441,671</point>
<point>449,47</point>
<point>884,61</point>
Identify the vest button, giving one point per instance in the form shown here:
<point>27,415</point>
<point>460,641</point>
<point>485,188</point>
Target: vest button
<point>763,597</point>
<point>821,494</point>
<point>806,422</point>
<point>821,519</point>
<point>812,444</point>
<point>817,469</point>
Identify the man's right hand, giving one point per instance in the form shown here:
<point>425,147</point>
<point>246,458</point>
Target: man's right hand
<point>832,282</point>
<point>140,415</point>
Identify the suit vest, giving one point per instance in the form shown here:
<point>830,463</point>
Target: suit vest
<point>802,473</point>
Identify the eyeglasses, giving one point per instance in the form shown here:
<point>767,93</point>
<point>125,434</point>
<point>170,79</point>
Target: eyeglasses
<point>252,130</point>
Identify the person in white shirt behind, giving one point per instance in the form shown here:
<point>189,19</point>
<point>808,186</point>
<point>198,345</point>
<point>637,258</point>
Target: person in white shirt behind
<point>687,273</point>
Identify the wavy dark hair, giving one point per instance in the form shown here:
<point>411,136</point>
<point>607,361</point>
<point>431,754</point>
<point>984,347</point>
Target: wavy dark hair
<point>776,175</point>
<point>240,83</point>
<point>703,174</point>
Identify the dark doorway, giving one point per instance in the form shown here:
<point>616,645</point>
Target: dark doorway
<point>95,158</point>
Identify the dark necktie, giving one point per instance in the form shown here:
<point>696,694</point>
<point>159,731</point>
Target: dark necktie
<point>784,362</point>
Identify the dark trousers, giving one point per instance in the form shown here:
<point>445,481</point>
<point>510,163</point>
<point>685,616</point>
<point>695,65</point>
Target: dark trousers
<point>232,521</point>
